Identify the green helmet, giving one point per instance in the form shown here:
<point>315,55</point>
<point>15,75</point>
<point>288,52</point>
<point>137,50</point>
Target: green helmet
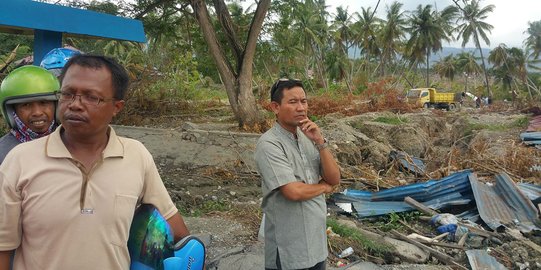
<point>26,84</point>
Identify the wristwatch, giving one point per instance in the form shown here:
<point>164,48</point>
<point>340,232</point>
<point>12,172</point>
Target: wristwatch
<point>322,146</point>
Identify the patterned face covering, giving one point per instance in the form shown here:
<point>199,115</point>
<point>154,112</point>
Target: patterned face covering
<point>25,134</point>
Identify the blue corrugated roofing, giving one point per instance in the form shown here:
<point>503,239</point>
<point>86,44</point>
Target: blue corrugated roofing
<point>531,138</point>
<point>451,190</point>
<point>369,208</point>
<point>502,204</point>
<point>457,182</point>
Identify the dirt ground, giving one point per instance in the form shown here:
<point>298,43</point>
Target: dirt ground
<point>221,199</point>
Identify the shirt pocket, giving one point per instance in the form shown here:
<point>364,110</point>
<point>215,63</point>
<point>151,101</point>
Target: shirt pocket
<point>315,167</point>
<point>124,209</point>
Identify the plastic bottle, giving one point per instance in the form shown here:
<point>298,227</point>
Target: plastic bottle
<point>346,252</point>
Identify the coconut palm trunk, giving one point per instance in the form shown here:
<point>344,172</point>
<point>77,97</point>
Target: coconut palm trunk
<point>487,84</point>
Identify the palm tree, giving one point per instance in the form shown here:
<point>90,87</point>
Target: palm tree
<point>342,28</point>
<point>311,25</point>
<point>468,65</point>
<point>502,69</point>
<point>287,45</point>
<point>446,67</point>
<point>392,33</point>
<point>342,37</point>
<point>533,41</point>
<point>473,25</point>
<point>427,29</point>
<point>509,66</point>
<point>366,29</point>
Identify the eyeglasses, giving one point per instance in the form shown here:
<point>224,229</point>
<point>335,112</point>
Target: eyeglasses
<point>84,99</point>
<point>280,82</point>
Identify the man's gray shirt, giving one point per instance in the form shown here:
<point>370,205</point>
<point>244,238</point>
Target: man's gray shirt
<point>296,229</point>
<point>7,142</point>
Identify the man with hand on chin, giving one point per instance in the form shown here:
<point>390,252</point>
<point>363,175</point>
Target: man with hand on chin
<point>297,169</point>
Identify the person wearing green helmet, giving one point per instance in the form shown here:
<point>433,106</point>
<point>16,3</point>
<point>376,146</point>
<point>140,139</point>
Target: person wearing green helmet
<point>67,201</point>
<point>27,97</point>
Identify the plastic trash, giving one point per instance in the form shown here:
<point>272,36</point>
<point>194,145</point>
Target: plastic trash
<point>346,252</point>
<point>460,231</point>
<point>443,219</point>
<point>450,228</point>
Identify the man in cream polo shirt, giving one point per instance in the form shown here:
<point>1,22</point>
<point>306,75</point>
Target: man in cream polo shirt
<point>67,200</point>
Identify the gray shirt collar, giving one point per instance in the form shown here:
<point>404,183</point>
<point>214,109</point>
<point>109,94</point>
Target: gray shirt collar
<point>285,132</point>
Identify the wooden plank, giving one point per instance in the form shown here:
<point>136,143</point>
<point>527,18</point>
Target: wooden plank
<point>440,236</point>
<point>440,256</point>
<point>462,240</point>
<point>419,206</point>
<point>441,244</point>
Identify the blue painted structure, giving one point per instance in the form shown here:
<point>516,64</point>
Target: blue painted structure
<point>49,23</point>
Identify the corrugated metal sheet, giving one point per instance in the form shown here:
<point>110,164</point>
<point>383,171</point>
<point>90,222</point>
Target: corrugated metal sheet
<point>422,192</point>
<point>452,190</point>
<point>498,203</point>
<point>503,204</point>
<point>457,182</point>
<point>533,192</point>
<point>470,215</point>
<point>408,163</point>
<point>481,260</point>
<point>531,138</point>
<point>369,208</point>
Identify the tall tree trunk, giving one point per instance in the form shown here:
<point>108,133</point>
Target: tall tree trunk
<point>427,66</point>
<point>237,81</point>
<point>487,85</point>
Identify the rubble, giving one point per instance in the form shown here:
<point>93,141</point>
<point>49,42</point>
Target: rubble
<point>451,143</point>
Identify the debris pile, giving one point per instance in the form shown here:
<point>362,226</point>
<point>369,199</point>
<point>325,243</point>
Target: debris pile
<point>474,217</point>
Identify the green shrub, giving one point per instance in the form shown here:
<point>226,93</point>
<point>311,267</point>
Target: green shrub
<point>374,248</point>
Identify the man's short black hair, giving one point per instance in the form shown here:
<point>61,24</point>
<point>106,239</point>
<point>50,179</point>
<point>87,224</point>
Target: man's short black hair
<point>119,76</point>
<point>277,89</point>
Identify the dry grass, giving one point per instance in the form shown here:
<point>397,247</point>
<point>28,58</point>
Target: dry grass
<point>377,97</point>
<point>249,215</point>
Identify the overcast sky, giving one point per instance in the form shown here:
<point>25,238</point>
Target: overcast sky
<point>510,17</point>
